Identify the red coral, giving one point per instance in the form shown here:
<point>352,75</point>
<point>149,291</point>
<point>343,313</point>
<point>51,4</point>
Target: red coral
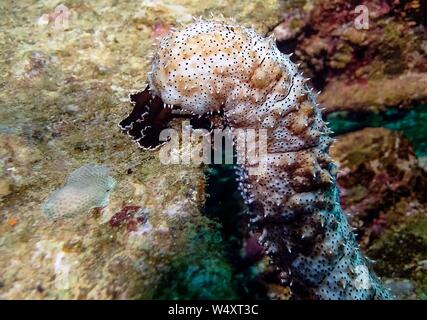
<point>129,215</point>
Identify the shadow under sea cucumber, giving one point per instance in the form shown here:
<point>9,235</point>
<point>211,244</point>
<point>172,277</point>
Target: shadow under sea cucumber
<point>213,66</point>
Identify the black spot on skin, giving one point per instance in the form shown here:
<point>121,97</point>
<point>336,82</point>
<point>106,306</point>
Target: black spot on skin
<point>201,122</point>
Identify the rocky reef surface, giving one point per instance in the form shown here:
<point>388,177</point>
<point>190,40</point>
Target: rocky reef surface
<point>67,68</point>
<point>371,69</point>
<point>372,78</point>
<point>383,190</point>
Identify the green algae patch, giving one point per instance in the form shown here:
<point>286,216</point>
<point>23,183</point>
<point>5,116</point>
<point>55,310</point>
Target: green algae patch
<point>200,270</point>
<point>402,251</point>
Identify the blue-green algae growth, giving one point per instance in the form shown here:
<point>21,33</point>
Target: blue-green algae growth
<point>411,122</point>
<point>200,271</point>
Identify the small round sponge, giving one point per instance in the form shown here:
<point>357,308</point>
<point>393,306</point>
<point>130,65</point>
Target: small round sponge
<point>86,188</point>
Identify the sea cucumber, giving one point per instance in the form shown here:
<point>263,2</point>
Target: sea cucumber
<point>213,66</point>
<point>86,187</point>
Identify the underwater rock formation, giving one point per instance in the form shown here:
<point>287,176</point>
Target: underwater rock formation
<point>228,69</point>
<point>63,91</point>
<point>377,169</point>
<point>401,252</point>
<point>357,69</point>
<point>86,188</point>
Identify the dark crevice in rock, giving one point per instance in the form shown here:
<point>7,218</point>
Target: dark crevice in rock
<point>224,204</point>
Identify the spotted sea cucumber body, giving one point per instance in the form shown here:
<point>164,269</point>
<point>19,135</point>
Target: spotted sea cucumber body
<point>214,66</point>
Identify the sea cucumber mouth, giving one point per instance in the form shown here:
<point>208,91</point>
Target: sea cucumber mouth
<point>150,115</point>
<point>147,119</point>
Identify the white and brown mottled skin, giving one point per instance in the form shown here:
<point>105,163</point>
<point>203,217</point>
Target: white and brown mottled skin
<point>212,66</point>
